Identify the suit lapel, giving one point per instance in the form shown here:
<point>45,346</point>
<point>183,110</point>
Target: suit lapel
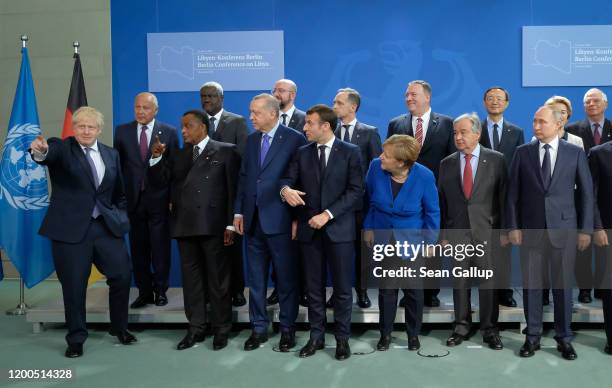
<point>408,123</point>
<point>484,134</point>
<point>561,154</point>
<point>481,171</point>
<point>534,154</point>
<point>133,141</point>
<point>80,155</point>
<point>315,161</point>
<point>277,144</point>
<point>432,127</point>
<point>357,132</point>
<point>108,164</point>
<point>333,155</point>
<point>457,168</point>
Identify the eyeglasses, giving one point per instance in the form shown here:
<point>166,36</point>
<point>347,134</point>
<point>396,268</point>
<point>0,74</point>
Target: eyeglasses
<point>280,90</point>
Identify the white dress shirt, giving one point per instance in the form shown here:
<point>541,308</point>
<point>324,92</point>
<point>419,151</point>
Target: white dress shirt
<point>554,148</point>
<point>351,128</point>
<point>425,117</point>
<point>149,132</point>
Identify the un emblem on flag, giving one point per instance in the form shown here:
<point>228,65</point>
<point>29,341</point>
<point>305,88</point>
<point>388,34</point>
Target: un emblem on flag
<point>23,182</point>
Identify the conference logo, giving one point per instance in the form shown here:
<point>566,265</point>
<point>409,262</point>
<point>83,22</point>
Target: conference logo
<point>23,182</point>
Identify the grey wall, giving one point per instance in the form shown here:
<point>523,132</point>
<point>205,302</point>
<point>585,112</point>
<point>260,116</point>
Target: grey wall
<point>52,26</point>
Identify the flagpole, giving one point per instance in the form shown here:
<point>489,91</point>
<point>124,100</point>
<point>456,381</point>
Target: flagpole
<point>22,307</point>
<point>76,45</point>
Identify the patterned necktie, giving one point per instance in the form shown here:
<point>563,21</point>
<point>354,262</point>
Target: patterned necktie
<point>212,125</point>
<point>265,146</point>
<point>495,137</point>
<point>596,134</point>
<point>347,134</point>
<point>419,131</point>
<point>322,159</point>
<point>546,167</point>
<point>284,116</point>
<point>467,177</point>
<point>96,212</point>
<point>196,153</point>
<point>144,144</point>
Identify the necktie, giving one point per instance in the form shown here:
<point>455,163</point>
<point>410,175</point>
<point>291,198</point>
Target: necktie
<point>96,212</point>
<point>467,177</point>
<point>546,166</point>
<point>196,153</point>
<point>419,131</point>
<point>347,134</point>
<point>144,144</point>
<point>212,128</point>
<point>322,159</point>
<point>265,146</point>
<point>284,116</point>
<point>495,137</point>
<point>596,134</point>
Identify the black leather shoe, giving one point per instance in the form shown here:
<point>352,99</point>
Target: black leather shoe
<point>273,298</point>
<point>161,299</point>
<point>585,296</point>
<point>413,343</point>
<point>343,350</point>
<point>219,341</point>
<point>304,301</point>
<point>238,299</point>
<point>608,348</point>
<point>528,349</point>
<point>142,301</point>
<point>311,348</point>
<point>432,302</point>
<point>255,340</point>
<point>189,341</point>
<point>124,336</point>
<point>545,297</point>
<point>363,300</point>
<point>330,302</point>
<point>494,341</point>
<point>74,351</point>
<point>454,340</point>
<point>567,351</point>
<point>383,343</point>
<point>507,301</point>
<point>287,341</point>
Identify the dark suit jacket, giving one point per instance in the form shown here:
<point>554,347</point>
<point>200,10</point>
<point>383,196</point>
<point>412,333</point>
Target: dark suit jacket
<point>531,206</point>
<point>438,143</point>
<point>366,137</point>
<point>600,161</point>
<point>202,193</point>
<point>483,211</point>
<point>74,194</point>
<point>258,185</point>
<point>583,129</point>
<point>297,120</point>
<point>339,190</point>
<point>511,137</point>
<point>232,128</point>
<point>134,170</point>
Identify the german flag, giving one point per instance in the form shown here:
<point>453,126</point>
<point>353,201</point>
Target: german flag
<point>76,98</point>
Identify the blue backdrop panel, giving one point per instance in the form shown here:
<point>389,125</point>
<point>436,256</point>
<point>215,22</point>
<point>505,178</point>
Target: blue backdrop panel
<point>460,47</point>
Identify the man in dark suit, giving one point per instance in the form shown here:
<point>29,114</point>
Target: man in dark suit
<point>266,220</point>
<point>202,179</point>
<point>285,91</point>
<point>230,128</point>
<point>86,222</point>
<point>501,135</point>
<point>324,181</point>
<point>542,201</point>
<point>600,161</point>
<point>366,137</point>
<point>434,132</point>
<point>594,130</point>
<point>147,206</point>
<point>472,187</point>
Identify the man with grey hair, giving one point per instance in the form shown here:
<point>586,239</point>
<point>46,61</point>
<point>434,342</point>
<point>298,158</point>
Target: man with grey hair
<point>433,131</point>
<point>594,130</point>
<point>285,91</point>
<point>366,137</point>
<point>266,221</point>
<point>147,204</point>
<point>471,213</point>
<point>230,128</point>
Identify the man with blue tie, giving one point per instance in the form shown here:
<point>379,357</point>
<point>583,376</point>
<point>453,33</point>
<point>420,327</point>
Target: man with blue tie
<point>265,220</point>
<point>147,205</point>
<point>555,217</point>
<point>324,181</point>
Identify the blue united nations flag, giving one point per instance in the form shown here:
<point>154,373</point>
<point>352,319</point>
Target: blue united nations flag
<point>24,195</point>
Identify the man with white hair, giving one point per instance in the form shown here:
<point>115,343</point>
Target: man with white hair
<point>594,130</point>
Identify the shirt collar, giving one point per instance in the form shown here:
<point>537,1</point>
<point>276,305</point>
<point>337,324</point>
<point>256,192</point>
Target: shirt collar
<point>203,143</point>
<point>601,123</point>
<point>476,152</point>
<point>554,144</point>
<point>272,132</point>
<point>352,123</point>
<point>490,123</point>
<point>94,146</point>
<point>217,116</point>
<point>329,144</point>
<point>289,112</point>
<point>425,116</point>
<point>150,125</point>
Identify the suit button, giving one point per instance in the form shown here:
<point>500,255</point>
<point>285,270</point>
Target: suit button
<point>259,181</point>
<point>205,177</point>
<point>198,191</point>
